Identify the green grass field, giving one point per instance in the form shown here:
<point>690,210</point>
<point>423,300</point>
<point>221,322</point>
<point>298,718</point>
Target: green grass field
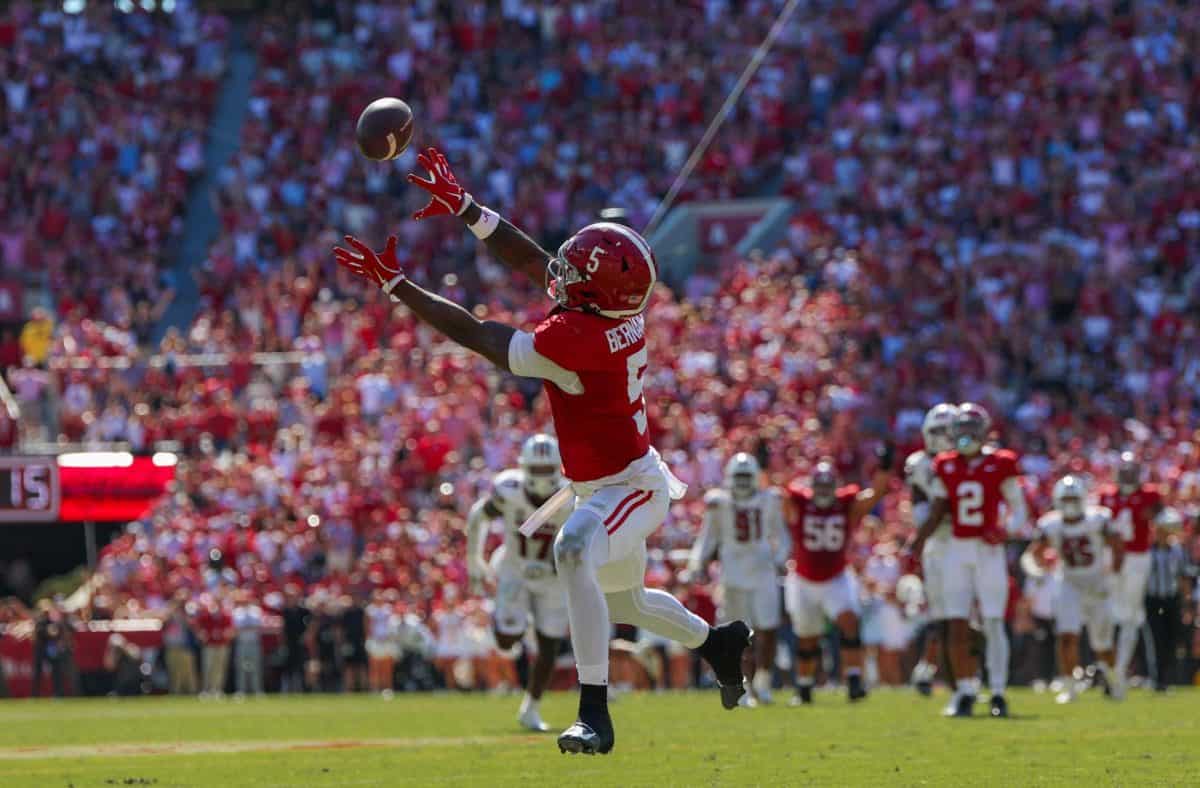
<point>895,738</point>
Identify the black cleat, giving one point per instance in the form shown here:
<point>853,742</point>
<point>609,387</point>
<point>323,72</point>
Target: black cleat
<point>925,688</point>
<point>963,707</point>
<point>724,654</point>
<point>855,689</point>
<point>803,697</point>
<point>999,706</point>
<point>581,738</point>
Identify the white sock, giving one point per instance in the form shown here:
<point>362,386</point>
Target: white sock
<point>804,681</point>
<point>854,671</point>
<point>1126,643</point>
<point>528,702</point>
<point>997,654</point>
<point>658,612</point>
<point>966,687</point>
<point>922,672</point>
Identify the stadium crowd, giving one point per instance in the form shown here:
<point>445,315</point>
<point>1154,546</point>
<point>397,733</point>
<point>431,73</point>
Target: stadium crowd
<point>935,255</point>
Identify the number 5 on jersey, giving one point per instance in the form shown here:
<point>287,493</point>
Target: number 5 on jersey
<point>636,364</point>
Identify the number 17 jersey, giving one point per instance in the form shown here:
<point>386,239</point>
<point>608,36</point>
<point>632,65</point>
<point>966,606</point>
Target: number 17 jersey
<point>601,429</point>
<point>821,534</point>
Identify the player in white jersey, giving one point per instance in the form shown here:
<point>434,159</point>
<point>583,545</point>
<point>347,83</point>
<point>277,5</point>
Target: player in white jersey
<point>522,568</point>
<point>1079,533</point>
<point>937,432</point>
<point>744,525</point>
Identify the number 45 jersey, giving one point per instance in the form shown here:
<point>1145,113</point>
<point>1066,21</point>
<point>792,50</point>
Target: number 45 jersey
<point>531,557</point>
<point>749,534</point>
<point>1080,544</point>
<point>821,534</point>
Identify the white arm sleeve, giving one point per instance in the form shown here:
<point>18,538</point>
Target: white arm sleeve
<point>920,513</point>
<point>706,544</point>
<point>1018,512</point>
<point>524,360</point>
<point>476,520</point>
<point>783,535</point>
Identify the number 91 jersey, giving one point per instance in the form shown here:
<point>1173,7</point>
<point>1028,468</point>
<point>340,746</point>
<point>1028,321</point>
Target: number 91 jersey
<point>821,535</point>
<point>973,489</point>
<point>602,429</point>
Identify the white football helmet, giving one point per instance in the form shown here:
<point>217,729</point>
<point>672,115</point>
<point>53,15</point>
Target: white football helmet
<point>938,428</point>
<point>741,475</point>
<point>1070,494</point>
<point>541,463</point>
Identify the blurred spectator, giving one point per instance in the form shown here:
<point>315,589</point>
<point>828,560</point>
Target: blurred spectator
<point>37,336</point>
<point>296,620</point>
<point>248,654</point>
<point>52,646</point>
<point>216,633</point>
<point>383,642</point>
<point>123,661</point>
<point>354,643</point>
<point>179,648</point>
<point>324,642</point>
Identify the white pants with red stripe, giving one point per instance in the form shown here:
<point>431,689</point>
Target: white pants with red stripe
<point>600,553</point>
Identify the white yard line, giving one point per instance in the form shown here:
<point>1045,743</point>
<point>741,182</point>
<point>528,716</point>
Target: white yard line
<point>124,750</point>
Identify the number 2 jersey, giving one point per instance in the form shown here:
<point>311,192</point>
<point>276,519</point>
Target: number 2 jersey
<point>748,533</point>
<point>1080,544</point>
<point>974,489</point>
<point>821,534</point>
<point>593,368</point>
<point>530,557</point>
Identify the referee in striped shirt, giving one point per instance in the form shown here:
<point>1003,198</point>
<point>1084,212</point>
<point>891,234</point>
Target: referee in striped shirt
<point>1167,587</point>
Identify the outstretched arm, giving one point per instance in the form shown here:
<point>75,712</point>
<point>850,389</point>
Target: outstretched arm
<point>507,244</point>
<point>485,337</point>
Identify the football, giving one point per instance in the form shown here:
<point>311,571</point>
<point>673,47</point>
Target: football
<point>384,129</point>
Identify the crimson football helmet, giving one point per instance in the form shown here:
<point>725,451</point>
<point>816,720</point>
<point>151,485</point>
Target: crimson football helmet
<point>1129,473</point>
<point>824,484</point>
<point>971,428</point>
<point>604,268</point>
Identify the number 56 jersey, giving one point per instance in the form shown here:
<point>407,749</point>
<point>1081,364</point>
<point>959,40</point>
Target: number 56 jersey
<point>821,534</point>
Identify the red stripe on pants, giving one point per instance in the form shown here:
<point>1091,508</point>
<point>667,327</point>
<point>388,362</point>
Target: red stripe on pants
<point>636,505</point>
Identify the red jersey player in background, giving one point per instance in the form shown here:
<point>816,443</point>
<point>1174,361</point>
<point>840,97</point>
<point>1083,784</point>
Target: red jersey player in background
<point>590,351</point>
<point>819,586</point>
<point>1135,507</point>
<point>971,482</point>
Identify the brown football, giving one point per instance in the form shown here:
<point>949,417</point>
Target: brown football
<point>384,129</point>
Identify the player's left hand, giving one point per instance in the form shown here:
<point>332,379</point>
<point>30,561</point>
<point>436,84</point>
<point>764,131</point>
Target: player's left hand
<point>446,197</point>
<point>382,268</point>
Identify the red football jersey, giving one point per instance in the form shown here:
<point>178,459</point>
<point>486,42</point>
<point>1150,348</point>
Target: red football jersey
<point>973,489</point>
<point>1133,513</point>
<point>603,429</point>
<point>821,535</point>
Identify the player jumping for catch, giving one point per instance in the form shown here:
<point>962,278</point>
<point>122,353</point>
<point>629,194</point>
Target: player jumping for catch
<point>591,354</point>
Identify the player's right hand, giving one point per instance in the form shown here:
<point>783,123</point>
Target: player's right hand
<point>446,197</point>
<point>382,268</point>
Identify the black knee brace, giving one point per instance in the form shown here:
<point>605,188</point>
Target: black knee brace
<point>854,642</point>
<point>808,653</point>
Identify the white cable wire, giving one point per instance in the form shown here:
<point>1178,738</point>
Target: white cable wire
<point>715,124</point>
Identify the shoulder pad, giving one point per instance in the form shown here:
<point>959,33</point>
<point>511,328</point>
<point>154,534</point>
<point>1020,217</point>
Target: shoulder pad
<point>716,497</point>
<point>1099,513</point>
<point>1049,521</point>
<point>1007,455</point>
<point>849,492</point>
<point>507,488</point>
<point>914,461</point>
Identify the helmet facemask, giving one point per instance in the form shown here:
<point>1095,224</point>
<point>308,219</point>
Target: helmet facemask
<point>542,481</point>
<point>1071,507</point>
<point>743,485</point>
<point>562,275</point>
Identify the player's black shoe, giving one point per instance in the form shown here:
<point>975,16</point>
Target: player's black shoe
<point>963,707</point>
<point>855,688</point>
<point>582,738</point>
<point>723,651</point>
<point>999,706</point>
<point>803,697</point>
<point>925,688</point>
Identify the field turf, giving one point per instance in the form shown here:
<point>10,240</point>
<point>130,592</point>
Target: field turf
<point>894,738</point>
